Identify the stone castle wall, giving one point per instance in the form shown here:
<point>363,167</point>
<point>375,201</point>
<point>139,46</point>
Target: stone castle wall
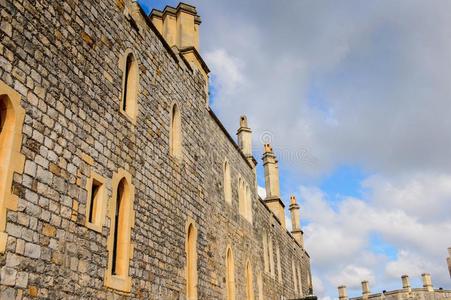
<point>62,58</point>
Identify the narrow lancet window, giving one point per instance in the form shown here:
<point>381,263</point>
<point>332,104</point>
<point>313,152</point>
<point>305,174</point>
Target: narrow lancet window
<point>227,183</point>
<point>130,85</point>
<point>191,263</point>
<point>230,276</point>
<point>119,245</point>
<point>175,135</point>
<point>11,160</point>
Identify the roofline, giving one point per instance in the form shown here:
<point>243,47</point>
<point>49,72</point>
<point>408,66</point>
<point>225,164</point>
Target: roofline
<point>218,122</point>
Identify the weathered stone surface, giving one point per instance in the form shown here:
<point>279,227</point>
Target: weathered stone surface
<point>62,57</point>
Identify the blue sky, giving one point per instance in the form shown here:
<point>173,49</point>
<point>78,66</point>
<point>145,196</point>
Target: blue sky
<point>354,98</point>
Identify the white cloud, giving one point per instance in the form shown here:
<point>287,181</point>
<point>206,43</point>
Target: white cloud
<point>227,74</point>
<point>338,236</point>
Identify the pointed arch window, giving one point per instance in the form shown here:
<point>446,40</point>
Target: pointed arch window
<point>191,262</point>
<point>227,183</point>
<point>230,275</point>
<point>241,195</point>
<point>248,204</point>
<point>11,160</point>
<point>175,134</point>
<point>119,245</point>
<point>130,85</point>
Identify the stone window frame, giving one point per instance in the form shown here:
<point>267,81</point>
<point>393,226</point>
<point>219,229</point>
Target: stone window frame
<point>230,274</point>
<point>227,182</point>
<point>100,205</point>
<point>11,159</point>
<point>244,199</point>
<point>191,273</point>
<point>132,113</point>
<point>175,134</point>
<point>260,286</point>
<point>122,282</point>
<point>249,280</point>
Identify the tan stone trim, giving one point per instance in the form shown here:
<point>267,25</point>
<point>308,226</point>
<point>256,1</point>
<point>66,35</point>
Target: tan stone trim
<point>249,281</point>
<point>227,182</point>
<point>133,91</point>
<point>99,208</point>
<point>191,266</point>
<point>87,159</point>
<point>11,160</point>
<point>230,274</point>
<point>120,282</point>
<point>175,132</point>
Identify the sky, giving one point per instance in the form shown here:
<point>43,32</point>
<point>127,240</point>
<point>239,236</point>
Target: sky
<point>355,98</point>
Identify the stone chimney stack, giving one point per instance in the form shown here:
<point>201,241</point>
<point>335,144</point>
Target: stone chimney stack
<point>405,282</point>
<point>273,200</point>
<point>296,221</point>
<point>342,293</point>
<point>245,137</point>
<point>427,282</point>
<point>179,26</point>
<point>365,289</point>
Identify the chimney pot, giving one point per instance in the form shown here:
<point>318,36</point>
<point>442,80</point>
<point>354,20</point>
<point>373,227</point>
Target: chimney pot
<point>427,281</point>
<point>365,287</point>
<point>342,292</point>
<point>405,282</point>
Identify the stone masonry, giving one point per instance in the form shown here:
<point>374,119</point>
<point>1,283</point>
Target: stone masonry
<point>62,58</point>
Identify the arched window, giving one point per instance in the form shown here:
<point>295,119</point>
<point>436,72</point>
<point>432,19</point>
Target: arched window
<point>230,275</point>
<point>119,240</point>
<point>260,286</point>
<point>11,160</point>
<point>175,135</point>
<point>130,85</point>
<point>249,282</point>
<point>191,262</point>
<point>121,231</point>
<point>248,204</point>
<point>241,205</point>
<point>227,183</point>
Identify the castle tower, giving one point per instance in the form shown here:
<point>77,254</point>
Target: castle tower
<point>272,199</point>
<point>342,293</point>
<point>296,221</point>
